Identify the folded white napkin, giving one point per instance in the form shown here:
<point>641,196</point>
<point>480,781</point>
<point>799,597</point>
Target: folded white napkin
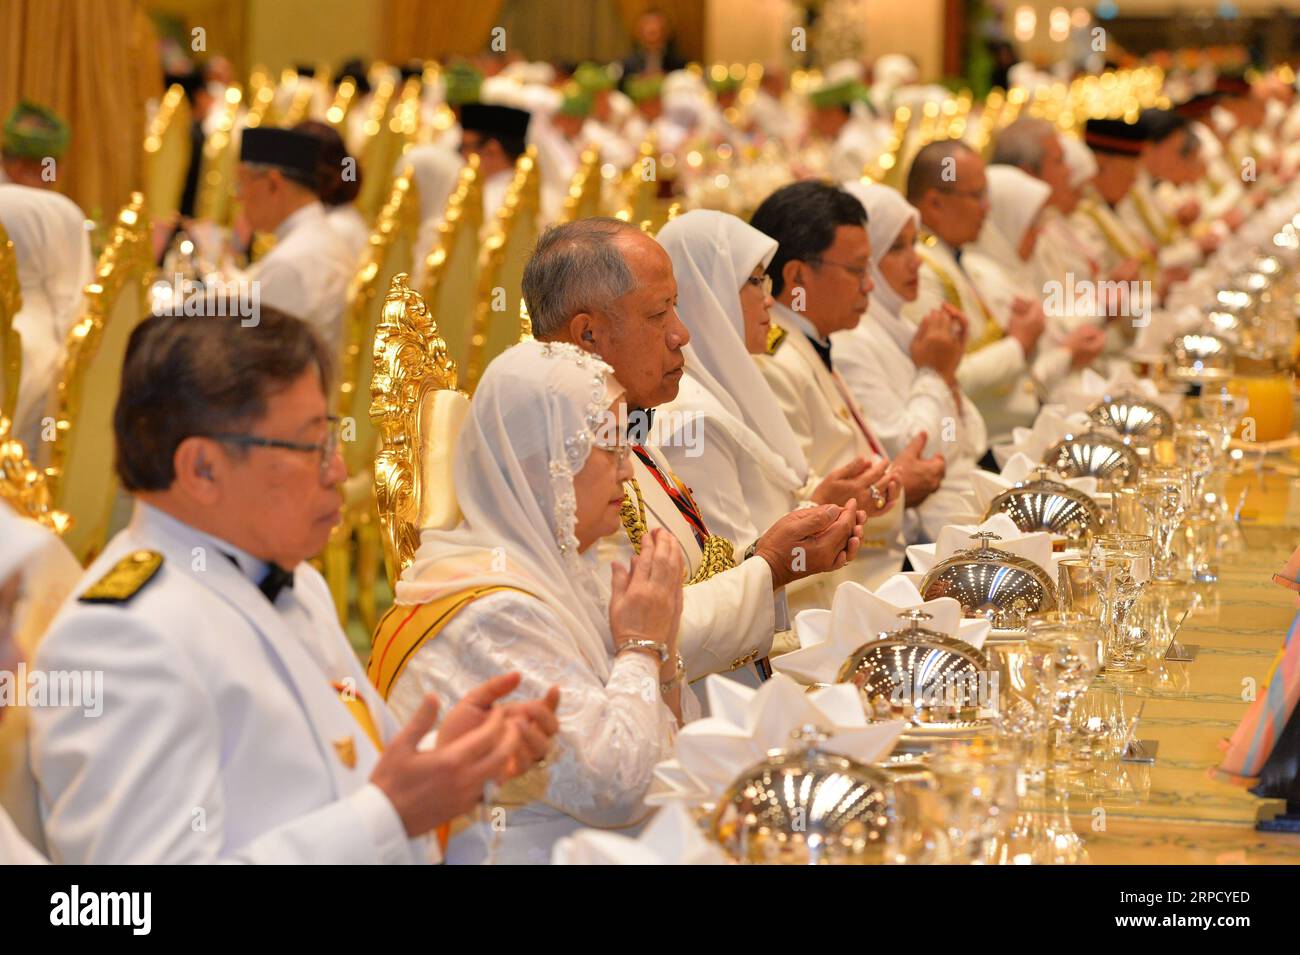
<point>1037,546</point>
<point>857,616</point>
<point>1092,387</point>
<point>746,724</point>
<point>671,838</point>
<point>1053,423</point>
<point>985,485</point>
<point>1163,326</point>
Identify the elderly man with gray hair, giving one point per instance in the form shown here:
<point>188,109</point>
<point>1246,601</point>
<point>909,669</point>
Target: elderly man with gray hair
<point>606,287</point>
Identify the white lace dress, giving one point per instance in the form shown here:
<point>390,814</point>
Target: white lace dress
<point>612,733</point>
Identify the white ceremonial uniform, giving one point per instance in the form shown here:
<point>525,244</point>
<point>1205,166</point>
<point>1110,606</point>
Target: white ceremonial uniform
<point>494,196</point>
<point>727,620</point>
<point>861,140</point>
<point>52,252</point>
<point>351,227</point>
<point>832,431</point>
<point>307,272</point>
<point>1141,212</point>
<point>222,736</point>
<point>902,401</point>
<point>995,372</point>
<point>1095,219</point>
<point>14,849</point>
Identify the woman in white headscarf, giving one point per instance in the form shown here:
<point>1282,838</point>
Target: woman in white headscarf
<point>905,380</point>
<point>52,249</point>
<point>998,263</point>
<point>539,471</point>
<point>436,169</point>
<point>725,434</point>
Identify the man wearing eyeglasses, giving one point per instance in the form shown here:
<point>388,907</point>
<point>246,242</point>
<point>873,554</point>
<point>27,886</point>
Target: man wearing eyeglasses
<point>949,188</point>
<point>821,284</point>
<point>237,724</point>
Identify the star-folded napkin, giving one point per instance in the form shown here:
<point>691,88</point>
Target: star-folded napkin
<point>985,485</point>
<point>857,616</point>
<point>672,837</point>
<point>1037,545</point>
<point>746,724</point>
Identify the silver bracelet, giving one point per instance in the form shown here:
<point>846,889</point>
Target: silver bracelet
<point>660,649</point>
<point>668,686</point>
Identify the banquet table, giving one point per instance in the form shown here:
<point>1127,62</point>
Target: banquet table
<point>1173,810</point>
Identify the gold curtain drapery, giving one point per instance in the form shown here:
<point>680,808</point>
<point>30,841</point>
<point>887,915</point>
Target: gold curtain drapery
<point>94,63</point>
<point>436,28</point>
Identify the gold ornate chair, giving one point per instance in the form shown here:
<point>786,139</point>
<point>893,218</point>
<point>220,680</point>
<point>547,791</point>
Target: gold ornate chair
<point>216,199</point>
<point>418,412</point>
<point>80,456</point>
<point>583,198</point>
<point>11,345</point>
<point>451,266</point>
<point>392,122</point>
<point>498,322</point>
<point>167,154</point>
<point>388,253</point>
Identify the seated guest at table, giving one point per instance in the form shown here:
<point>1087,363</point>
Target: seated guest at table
<point>999,266</point>
<point>539,471</point>
<point>752,470</point>
<point>606,287</point>
<point>498,135</point>
<point>904,375</point>
<point>52,251</point>
<point>34,140</point>
<point>821,281</point>
<point>338,183</point>
<point>235,722</point>
<point>437,170</point>
<point>1114,146</point>
<point>948,186</point>
<point>308,270</point>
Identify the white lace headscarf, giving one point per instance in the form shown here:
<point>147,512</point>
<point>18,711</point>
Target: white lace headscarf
<point>713,255</point>
<point>887,213</point>
<point>534,419</point>
<point>1015,200</point>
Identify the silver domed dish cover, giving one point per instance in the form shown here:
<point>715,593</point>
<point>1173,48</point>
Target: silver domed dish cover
<point>917,674</point>
<point>1134,418</point>
<point>1198,357</point>
<point>1002,588</point>
<point>806,806</point>
<point>1040,504</point>
<point>1094,454</point>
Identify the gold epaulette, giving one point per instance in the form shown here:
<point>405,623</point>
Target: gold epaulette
<point>125,579</point>
<point>775,336</point>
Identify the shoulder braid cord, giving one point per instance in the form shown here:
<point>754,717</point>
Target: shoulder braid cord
<point>718,555</point>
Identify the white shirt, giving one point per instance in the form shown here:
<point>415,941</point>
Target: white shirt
<point>612,733</point>
<point>222,737</point>
<point>351,227</point>
<point>307,272</point>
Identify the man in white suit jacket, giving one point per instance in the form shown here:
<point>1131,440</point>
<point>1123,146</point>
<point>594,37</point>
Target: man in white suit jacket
<point>235,723</point>
<point>606,287</point>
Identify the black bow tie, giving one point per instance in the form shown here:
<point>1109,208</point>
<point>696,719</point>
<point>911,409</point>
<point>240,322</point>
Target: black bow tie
<point>639,421</point>
<point>823,351</point>
<point>275,580</point>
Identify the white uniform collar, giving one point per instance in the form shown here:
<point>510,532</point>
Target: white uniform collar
<point>801,324</point>
<point>303,216</point>
<point>248,565</point>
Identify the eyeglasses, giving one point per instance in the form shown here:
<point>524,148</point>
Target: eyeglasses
<point>623,450</point>
<point>859,273</point>
<point>979,195</point>
<point>761,282</point>
<point>326,447</point>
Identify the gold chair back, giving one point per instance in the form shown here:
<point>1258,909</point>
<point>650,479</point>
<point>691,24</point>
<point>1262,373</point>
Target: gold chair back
<point>498,323</point>
<point>417,412</point>
<point>11,345</point>
<point>82,404</point>
<point>344,97</point>
<point>167,152</point>
<point>216,199</point>
<point>583,198</point>
<point>390,124</point>
<point>388,252</point>
<point>451,266</point>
